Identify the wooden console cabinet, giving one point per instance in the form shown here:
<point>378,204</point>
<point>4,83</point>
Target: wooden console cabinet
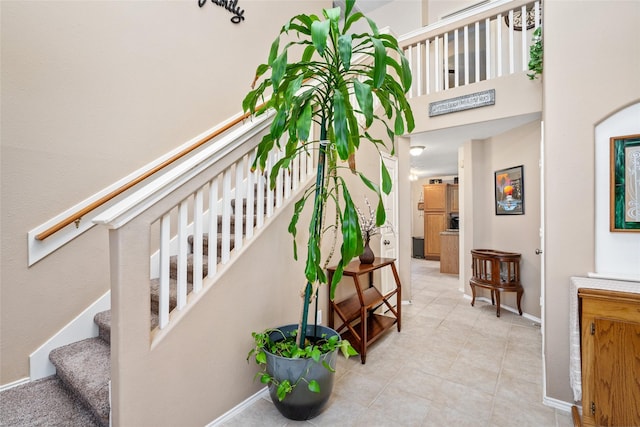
<point>497,271</point>
<point>610,362</point>
<point>361,325</point>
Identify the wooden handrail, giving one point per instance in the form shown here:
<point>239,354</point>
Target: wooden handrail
<point>104,199</point>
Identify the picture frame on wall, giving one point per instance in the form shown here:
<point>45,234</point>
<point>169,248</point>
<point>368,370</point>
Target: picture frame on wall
<point>509,191</point>
<point>624,183</point>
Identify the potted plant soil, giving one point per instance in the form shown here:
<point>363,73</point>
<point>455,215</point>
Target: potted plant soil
<point>329,87</point>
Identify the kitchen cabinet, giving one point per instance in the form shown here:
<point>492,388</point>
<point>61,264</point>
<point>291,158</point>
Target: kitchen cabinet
<point>449,252</point>
<point>440,200</point>
<point>434,224</point>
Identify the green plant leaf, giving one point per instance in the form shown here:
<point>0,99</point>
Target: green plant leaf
<point>319,33</point>
<point>386,178</point>
<point>327,366</point>
<point>261,357</point>
<point>279,66</point>
<point>314,386</point>
<point>364,96</point>
<point>265,378</point>
<point>303,125</point>
<point>345,49</point>
<point>273,53</point>
<point>340,125</point>
<point>308,53</point>
<point>278,124</point>
<point>398,126</point>
<point>380,63</point>
<point>348,8</point>
<point>351,20</point>
<point>284,388</point>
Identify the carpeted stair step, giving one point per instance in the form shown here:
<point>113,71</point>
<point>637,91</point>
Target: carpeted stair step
<point>173,267</point>
<point>255,204</point>
<point>85,369</point>
<point>103,320</point>
<point>44,402</point>
<point>205,243</point>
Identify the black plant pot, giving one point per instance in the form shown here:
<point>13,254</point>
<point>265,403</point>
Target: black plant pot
<point>302,403</point>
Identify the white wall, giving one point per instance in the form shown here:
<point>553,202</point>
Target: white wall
<point>617,253</point>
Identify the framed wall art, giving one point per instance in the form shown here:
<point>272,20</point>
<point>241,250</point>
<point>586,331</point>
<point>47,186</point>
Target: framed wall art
<point>625,183</point>
<point>509,188</point>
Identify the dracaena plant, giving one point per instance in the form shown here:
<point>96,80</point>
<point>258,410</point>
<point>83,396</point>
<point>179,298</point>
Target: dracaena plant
<point>334,83</point>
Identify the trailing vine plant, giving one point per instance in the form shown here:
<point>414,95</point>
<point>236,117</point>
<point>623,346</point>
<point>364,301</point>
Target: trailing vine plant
<point>536,54</point>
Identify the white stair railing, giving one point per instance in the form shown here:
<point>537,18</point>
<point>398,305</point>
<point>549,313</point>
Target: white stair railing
<point>484,43</point>
<point>198,234</point>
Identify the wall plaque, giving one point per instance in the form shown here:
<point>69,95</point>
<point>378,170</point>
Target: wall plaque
<point>461,103</point>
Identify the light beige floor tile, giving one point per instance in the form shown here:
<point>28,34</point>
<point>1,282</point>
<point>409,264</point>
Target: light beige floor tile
<point>340,412</point>
<point>466,400</point>
<point>511,388</point>
<point>440,416</point>
<point>401,406</point>
<point>563,419</point>
<point>368,387</point>
<point>471,375</point>
<point>506,414</point>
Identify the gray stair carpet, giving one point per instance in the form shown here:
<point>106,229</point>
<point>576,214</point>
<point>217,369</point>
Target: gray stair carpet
<point>85,368</point>
<point>45,402</point>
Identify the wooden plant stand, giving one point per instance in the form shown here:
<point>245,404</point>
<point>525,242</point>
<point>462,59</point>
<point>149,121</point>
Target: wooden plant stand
<point>497,271</point>
<point>360,324</point>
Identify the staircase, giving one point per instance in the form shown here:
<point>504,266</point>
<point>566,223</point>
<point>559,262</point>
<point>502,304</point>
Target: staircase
<point>84,367</point>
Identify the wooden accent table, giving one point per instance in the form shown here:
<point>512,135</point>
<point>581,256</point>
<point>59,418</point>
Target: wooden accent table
<point>497,271</point>
<point>360,324</point>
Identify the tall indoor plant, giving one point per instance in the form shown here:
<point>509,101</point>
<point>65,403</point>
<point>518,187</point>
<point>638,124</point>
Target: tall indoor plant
<point>326,87</point>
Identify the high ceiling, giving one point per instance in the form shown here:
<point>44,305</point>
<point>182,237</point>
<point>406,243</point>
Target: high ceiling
<point>440,156</point>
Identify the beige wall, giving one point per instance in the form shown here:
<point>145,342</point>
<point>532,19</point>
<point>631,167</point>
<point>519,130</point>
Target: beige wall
<point>91,91</point>
<point>513,233</point>
<point>597,78</point>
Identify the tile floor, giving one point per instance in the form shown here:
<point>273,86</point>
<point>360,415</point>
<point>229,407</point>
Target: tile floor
<point>451,365</point>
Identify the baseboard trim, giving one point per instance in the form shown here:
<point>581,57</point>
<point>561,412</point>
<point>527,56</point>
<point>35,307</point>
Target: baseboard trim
<point>238,408</point>
<point>14,384</point>
<point>506,307</point>
<point>559,404</point>
<point>82,327</point>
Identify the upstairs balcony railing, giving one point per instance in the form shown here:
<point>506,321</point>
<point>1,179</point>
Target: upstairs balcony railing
<point>480,43</point>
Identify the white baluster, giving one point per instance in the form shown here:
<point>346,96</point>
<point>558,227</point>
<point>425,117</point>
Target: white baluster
<point>198,250</point>
<point>456,59</point>
<point>409,54</point>
<point>466,55</point>
<point>226,216</point>
<point>183,210</point>
<point>477,51</point>
<point>427,57</point>
<point>239,209</point>
<point>499,45</point>
<point>436,67</point>
<point>445,61</point>
<point>269,166</point>
<point>250,198</point>
<point>165,238</point>
<point>279,182</point>
<point>419,69</point>
<point>213,227</point>
<point>525,50</point>
<point>511,44</point>
<point>487,49</point>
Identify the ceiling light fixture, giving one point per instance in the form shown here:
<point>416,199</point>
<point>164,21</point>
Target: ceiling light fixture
<point>416,150</point>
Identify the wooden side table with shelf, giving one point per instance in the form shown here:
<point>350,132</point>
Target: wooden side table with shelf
<point>360,324</point>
